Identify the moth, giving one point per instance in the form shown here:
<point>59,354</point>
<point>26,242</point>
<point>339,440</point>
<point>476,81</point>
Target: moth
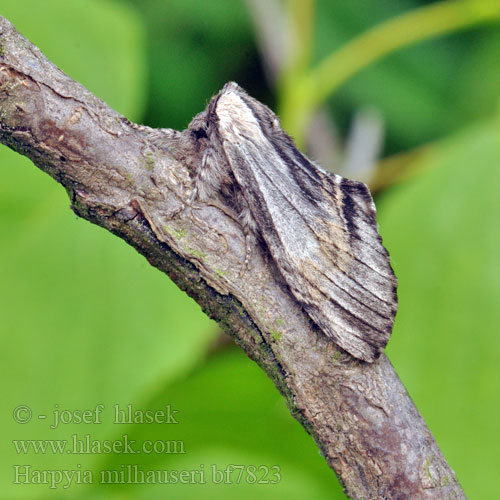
<point>319,228</point>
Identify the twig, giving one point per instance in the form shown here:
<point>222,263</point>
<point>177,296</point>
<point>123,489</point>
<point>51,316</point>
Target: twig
<point>359,414</point>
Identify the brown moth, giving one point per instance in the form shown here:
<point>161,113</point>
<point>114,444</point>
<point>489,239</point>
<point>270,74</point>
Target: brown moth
<point>319,228</point>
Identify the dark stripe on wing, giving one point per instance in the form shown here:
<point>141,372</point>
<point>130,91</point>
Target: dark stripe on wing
<point>311,180</point>
<point>358,324</point>
<point>331,243</point>
<point>364,303</point>
<point>348,211</point>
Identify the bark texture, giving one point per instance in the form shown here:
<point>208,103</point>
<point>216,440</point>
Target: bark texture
<point>359,414</point>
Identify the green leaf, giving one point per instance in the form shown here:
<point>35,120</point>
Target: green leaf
<point>99,43</point>
<point>195,48</point>
<point>414,87</point>
<point>229,412</point>
<point>85,320</point>
<point>443,233</point>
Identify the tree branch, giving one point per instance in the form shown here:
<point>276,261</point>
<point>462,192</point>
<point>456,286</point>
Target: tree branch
<point>359,414</point>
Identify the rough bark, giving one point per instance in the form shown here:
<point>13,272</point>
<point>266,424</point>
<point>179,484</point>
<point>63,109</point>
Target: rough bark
<point>359,414</point>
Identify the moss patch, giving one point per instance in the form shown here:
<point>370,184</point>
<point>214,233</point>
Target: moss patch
<point>149,162</point>
<point>336,357</point>
<point>275,335</point>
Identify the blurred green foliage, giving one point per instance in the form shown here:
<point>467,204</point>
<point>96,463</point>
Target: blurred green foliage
<point>306,90</point>
<point>86,321</point>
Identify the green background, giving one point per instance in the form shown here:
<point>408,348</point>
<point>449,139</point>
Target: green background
<point>84,319</point>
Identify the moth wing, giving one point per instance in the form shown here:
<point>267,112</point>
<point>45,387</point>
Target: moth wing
<point>320,230</point>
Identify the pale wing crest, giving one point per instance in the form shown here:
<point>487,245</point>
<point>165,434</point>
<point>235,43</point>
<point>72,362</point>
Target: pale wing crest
<point>319,228</point>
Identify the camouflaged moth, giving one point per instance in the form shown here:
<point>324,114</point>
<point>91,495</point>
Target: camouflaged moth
<point>319,228</point>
